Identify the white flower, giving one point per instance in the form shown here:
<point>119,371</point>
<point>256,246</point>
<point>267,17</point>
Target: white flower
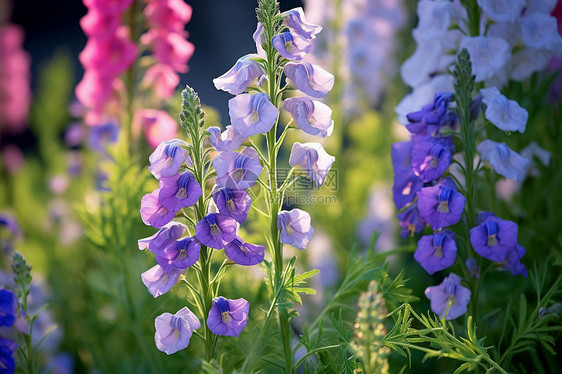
<point>428,59</point>
<point>487,54</point>
<point>543,6</point>
<point>505,114</point>
<point>540,31</point>
<point>434,20</point>
<point>423,95</point>
<point>503,160</point>
<point>532,151</point>
<point>528,60</point>
<point>502,10</point>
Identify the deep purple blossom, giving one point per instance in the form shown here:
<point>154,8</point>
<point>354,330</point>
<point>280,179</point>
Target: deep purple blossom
<point>173,331</point>
<point>153,213</point>
<point>295,227</point>
<point>159,281</point>
<point>179,191</point>
<point>225,141</point>
<point>291,46</point>
<point>431,157</point>
<point>441,205</point>
<point>494,237</point>
<point>244,73</point>
<point>244,253</point>
<point>450,290</point>
<point>234,203</point>
<point>472,266</point>
<point>180,255</point>
<point>411,221</point>
<point>251,114</point>
<point>167,158</point>
<point>406,182</point>
<point>513,263</point>
<point>7,350</point>
<point>101,135</point>
<point>432,113</point>
<point>436,252</point>
<point>294,19</point>
<point>314,159</point>
<point>216,230</point>
<point>504,160</point>
<point>312,117</point>
<point>309,79</point>
<point>228,317</point>
<point>166,236</point>
<point>236,170</point>
<point>8,307</point>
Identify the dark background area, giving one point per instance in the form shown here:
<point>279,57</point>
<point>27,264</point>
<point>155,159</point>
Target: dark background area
<point>221,31</point>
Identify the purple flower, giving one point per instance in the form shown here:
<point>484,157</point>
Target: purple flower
<point>251,114</point>
<point>225,141</point>
<point>441,205</point>
<point>291,46</point>
<point>295,227</point>
<point>472,266</point>
<point>433,113</point>
<point>8,307</point>
<point>101,135</point>
<point>228,317</point>
<point>313,117</point>
<point>411,221</point>
<point>244,73</point>
<point>234,203</point>
<point>436,252</point>
<point>294,19</point>
<point>310,79</point>
<point>7,351</point>
<point>179,191</point>
<point>180,256</point>
<point>159,281</point>
<point>173,331</point>
<point>153,213</point>
<point>166,236</point>
<point>236,170</point>
<point>167,158</point>
<point>494,238</point>
<point>431,157</point>
<point>450,290</point>
<point>406,183</point>
<point>244,253</point>
<point>513,261</point>
<point>314,159</point>
<point>505,161</point>
<point>216,230</point>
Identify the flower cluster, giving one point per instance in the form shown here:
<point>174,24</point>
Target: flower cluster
<point>362,36</point>
<point>511,40</point>
<point>15,90</point>
<point>108,53</point>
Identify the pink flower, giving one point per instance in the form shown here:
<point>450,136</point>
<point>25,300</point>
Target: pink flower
<point>163,79</point>
<point>108,6</point>
<point>158,126</point>
<point>169,49</point>
<point>171,15</point>
<point>93,90</point>
<point>99,24</point>
<point>111,56</point>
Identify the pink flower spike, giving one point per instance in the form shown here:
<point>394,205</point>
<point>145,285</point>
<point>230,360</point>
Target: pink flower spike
<point>163,79</point>
<point>158,126</point>
<point>169,49</point>
<point>108,6</point>
<point>171,15</point>
<point>98,24</point>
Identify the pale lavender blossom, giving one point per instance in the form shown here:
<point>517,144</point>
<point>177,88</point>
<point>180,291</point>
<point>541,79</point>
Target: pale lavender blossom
<point>449,291</point>
<point>505,114</point>
<point>540,31</point>
<point>295,20</point>
<point>245,72</point>
<point>310,79</point>
<point>312,117</point>
<point>295,227</point>
<point>168,157</point>
<point>251,114</point>
<point>234,203</point>
<point>173,331</point>
<point>291,46</point>
<point>237,170</point>
<point>153,213</point>
<point>159,281</point>
<point>228,317</point>
<point>488,55</point>
<point>502,10</point>
<point>503,160</point>
<point>225,141</point>
<point>244,253</point>
<point>166,236</point>
<point>314,159</point>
